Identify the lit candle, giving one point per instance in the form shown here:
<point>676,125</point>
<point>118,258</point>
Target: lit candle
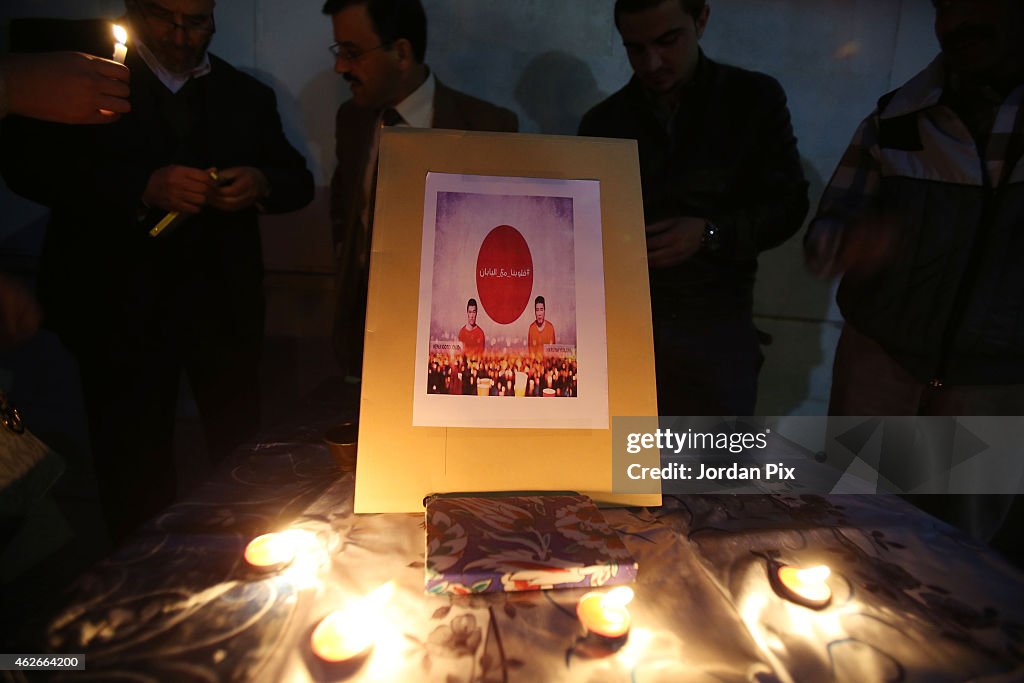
<point>350,632</point>
<point>120,47</point>
<point>274,551</point>
<point>605,614</point>
<point>806,587</point>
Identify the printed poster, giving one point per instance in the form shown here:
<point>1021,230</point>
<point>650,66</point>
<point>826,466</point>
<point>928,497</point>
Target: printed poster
<point>511,315</point>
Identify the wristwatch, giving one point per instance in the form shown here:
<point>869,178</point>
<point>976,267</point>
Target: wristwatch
<point>712,238</point>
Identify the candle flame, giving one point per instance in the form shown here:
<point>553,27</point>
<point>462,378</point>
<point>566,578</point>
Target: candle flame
<point>120,35</point>
<point>618,597</point>
<point>350,631</point>
<point>814,575</point>
<point>810,583</point>
<point>277,548</point>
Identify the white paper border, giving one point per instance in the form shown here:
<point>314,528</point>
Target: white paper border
<point>588,410</point>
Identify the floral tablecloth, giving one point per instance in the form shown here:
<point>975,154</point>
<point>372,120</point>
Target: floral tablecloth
<point>913,599</point>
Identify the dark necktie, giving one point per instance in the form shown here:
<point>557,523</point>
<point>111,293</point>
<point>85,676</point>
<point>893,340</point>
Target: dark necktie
<point>391,117</point>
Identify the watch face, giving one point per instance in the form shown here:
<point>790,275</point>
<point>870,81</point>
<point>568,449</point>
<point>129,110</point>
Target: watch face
<point>710,240</point>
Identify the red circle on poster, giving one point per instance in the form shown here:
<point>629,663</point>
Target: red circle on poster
<point>504,274</point>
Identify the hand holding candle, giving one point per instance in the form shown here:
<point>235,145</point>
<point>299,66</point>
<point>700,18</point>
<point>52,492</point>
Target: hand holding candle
<point>239,188</point>
<point>65,87</point>
<point>179,188</point>
<point>120,52</point>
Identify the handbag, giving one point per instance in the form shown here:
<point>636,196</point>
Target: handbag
<point>27,466</point>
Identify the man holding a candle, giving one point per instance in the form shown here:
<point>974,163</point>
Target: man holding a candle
<point>65,87</point>
<point>379,50</point>
<point>138,311</point>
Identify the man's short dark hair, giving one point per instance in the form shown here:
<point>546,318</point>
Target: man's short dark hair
<point>472,302</point>
<point>691,7</point>
<point>393,20</point>
<point>539,300</point>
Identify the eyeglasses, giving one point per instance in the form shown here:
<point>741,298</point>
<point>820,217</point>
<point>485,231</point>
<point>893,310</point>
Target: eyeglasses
<point>349,54</point>
<point>190,23</point>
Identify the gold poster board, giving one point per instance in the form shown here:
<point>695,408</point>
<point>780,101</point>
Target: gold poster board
<point>399,464</point>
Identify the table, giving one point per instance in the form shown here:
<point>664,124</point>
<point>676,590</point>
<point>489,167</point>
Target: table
<point>914,600</point>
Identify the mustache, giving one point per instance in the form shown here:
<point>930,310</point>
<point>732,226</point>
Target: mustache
<point>966,34</point>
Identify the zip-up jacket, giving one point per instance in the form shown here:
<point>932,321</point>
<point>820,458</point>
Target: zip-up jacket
<point>947,303</point>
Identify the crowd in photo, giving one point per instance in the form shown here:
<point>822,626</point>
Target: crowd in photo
<point>501,374</point>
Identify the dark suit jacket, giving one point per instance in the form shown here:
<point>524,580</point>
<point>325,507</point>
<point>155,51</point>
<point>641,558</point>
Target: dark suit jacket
<point>101,274</point>
<point>354,137</point>
<point>730,156</point>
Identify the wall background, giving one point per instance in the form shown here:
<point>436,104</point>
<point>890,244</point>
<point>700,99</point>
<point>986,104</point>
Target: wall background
<point>550,62</point>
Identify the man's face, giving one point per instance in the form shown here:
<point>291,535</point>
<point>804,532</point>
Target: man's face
<point>371,68</point>
<point>538,309</point>
<point>176,31</point>
<point>471,315</point>
<point>980,37</point>
<point>661,43</point>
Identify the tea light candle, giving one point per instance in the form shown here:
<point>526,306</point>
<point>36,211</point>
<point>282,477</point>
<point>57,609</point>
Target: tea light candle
<point>806,587</point>
<point>346,634</point>
<point>121,46</point>
<point>339,638</point>
<point>273,551</point>
<point>605,614</point>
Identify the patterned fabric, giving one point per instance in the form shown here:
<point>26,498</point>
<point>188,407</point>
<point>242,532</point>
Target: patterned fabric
<point>914,600</point>
<point>521,543</point>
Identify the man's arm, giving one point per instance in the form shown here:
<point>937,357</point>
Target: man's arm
<point>278,180</point>
<point>81,168</point>
<point>60,165</point>
<point>771,203</point>
<point>838,237</point>
<point>63,87</point>
<point>765,204</point>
